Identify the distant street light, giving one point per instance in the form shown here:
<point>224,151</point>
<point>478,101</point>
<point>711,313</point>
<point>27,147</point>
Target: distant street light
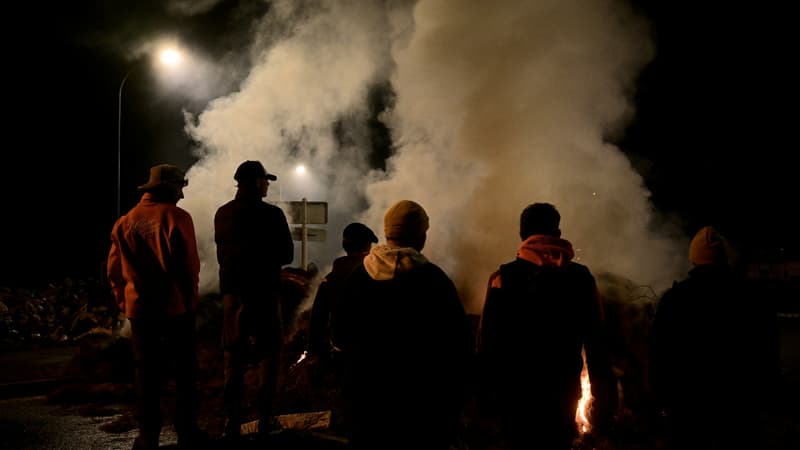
<point>299,171</point>
<point>168,57</point>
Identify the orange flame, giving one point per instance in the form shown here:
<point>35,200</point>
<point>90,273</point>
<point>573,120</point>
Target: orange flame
<point>582,413</point>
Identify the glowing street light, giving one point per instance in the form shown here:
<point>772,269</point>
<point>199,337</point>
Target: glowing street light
<point>299,171</point>
<point>168,57</point>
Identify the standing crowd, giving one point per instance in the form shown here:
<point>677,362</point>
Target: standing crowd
<point>408,360</point>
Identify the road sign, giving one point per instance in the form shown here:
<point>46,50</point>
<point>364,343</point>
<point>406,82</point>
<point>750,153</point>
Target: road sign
<point>303,213</point>
<point>315,212</point>
<point>312,234</point>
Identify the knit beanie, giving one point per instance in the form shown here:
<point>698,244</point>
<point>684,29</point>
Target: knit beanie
<point>707,247</point>
<point>405,220</point>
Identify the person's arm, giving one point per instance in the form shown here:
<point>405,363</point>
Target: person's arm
<point>286,249</point>
<point>458,331</point>
<point>599,362</point>
<point>186,261</point>
<point>486,337</point>
<point>488,346</point>
<point>114,270</point>
<point>319,320</point>
<point>344,313</point>
<point>659,339</point>
<point>767,343</point>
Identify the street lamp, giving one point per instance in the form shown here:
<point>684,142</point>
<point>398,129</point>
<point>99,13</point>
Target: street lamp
<point>168,57</point>
<point>299,171</point>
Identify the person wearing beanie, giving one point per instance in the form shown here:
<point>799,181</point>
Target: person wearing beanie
<point>708,247</point>
<point>253,242</point>
<point>154,269</point>
<point>405,224</point>
<point>713,346</point>
<point>543,308</point>
<point>406,342</point>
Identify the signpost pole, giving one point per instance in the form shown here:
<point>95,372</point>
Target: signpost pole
<point>305,235</point>
<point>300,215</point>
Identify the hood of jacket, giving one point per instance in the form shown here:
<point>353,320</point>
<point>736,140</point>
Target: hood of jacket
<point>544,250</point>
<point>384,262</point>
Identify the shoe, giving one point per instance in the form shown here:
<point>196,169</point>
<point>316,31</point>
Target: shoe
<point>144,443</point>
<point>233,431</point>
<point>198,439</point>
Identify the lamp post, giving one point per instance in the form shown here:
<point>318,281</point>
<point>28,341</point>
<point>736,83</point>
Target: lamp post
<point>119,139</point>
<point>169,57</point>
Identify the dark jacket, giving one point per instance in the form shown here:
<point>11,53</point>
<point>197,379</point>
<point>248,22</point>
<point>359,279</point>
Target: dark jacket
<point>253,243</point>
<point>325,302</point>
<point>714,343</point>
<point>540,310</point>
<point>407,346</point>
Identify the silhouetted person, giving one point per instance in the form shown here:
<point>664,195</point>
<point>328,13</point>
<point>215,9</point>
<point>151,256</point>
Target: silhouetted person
<point>406,341</point>
<point>713,353</point>
<point>540,310</point>
<point>253,243</point>
<point>154,268</point>
<point>357,240</point>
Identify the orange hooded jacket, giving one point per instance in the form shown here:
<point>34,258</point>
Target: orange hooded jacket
<point>153,264</point>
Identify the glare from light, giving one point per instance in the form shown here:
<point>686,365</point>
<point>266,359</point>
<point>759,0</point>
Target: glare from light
<point>300,170</point>
<point>170,57</point>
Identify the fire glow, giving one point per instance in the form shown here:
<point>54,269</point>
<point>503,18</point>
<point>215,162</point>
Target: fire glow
<point>582,413</point>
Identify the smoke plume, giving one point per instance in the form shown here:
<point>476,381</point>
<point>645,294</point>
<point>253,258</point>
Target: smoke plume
<point>496,105</point>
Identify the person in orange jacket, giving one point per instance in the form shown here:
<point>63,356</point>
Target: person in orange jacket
<point>153,269</point>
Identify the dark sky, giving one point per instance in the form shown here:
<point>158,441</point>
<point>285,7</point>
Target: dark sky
<point>709,136</point>
<point>63,81</point>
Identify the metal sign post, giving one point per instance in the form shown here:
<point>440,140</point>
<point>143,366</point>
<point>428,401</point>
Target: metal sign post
<point>304,213</point>
<point>304,245</point>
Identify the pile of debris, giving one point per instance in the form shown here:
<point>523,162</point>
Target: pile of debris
<point>56,313</point>
<point>66,311</point>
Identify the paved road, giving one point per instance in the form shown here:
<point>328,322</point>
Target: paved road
<point>33,423</point>
<point>28,372</point>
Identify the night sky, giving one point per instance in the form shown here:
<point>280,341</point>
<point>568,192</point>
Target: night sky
<point>708,137</point>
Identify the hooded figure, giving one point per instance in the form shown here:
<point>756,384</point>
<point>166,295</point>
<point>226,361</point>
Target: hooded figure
<point>543,308</point>
<point>713,348</point>
<point>406,341</point>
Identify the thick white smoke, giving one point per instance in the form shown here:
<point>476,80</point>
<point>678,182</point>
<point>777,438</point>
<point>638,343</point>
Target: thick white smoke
<point>498,104</point>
